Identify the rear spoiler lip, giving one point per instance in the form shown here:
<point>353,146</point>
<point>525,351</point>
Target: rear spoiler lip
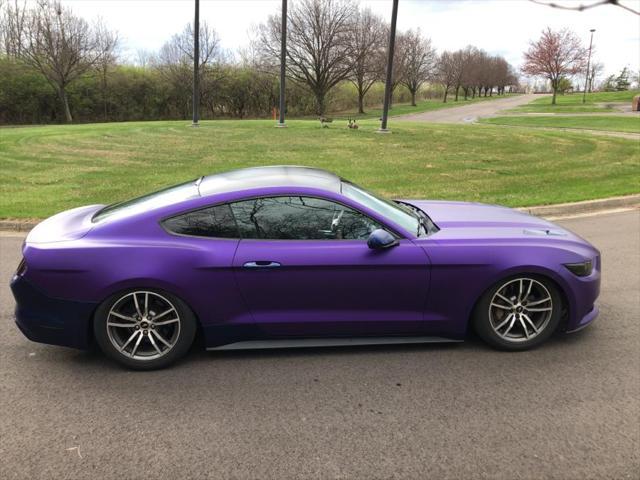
<point>68,225</point>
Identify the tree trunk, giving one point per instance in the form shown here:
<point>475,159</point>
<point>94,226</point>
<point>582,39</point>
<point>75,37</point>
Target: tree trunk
<point>104,93</point>
<point>553,99</point>
<point>466,93</point>
<point>473,92</point>
<point>457,89</point>
<point>104,98</point>
<point>320,103</point>
<point>360,100</point>
<point>65,105</point>
<point>413,98</point>
<point>446,92</point>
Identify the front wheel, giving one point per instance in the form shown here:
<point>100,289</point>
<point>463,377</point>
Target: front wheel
<point>518,313</point>
<point>144,329</point>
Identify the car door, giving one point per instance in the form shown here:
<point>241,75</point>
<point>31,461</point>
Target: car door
<point>304,269</point>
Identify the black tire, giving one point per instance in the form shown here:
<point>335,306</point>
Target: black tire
<point>183,338</point>
<point>482,323</point>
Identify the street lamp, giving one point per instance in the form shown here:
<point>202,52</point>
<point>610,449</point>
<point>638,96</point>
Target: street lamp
<point>196,64</point>
<point>586,81</point>
<point>387,87</point>
<point>283,63</point>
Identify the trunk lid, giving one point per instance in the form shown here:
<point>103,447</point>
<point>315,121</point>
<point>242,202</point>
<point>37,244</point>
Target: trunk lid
<point>68,225</point>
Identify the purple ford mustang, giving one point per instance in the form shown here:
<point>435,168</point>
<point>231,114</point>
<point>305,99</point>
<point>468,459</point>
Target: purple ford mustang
<point>295,256</point>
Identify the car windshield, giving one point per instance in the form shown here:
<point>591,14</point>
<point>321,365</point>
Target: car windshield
<point>395,212</point>
<point>161,198</point>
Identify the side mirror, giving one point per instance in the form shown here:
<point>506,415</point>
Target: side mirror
<point>380,239</point>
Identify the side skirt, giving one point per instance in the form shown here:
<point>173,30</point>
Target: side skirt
<point>329,342</point>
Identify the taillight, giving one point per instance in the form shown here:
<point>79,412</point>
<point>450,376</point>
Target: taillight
<point>22,268</point>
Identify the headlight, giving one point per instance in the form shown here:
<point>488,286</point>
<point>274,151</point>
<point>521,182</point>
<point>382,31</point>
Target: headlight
<point>583,269</point>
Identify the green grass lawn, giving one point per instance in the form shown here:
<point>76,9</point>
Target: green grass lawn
<point>47,169</point>
<point>572,103</point>
<point>602,122</point>
<point>421,106</point>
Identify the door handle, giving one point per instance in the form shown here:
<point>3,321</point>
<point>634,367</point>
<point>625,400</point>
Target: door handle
<point>261,264</point>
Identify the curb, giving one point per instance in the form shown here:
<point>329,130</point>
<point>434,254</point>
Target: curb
<point>588,206</point>
<point>557,210</point>
<point>17,225</point>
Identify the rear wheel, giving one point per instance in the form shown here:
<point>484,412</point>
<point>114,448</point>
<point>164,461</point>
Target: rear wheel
<point>144,329</point>
<point>518,313</point>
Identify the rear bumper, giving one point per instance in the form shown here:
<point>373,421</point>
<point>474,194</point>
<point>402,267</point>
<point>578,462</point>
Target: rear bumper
<point>51,320</point>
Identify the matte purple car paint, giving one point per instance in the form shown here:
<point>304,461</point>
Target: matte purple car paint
<point>423,286</point>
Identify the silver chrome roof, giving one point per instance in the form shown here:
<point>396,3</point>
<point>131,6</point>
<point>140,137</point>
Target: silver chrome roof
<point>272,176</point>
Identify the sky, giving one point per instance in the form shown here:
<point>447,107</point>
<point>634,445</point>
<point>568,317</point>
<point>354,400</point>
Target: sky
<point>498,26</point>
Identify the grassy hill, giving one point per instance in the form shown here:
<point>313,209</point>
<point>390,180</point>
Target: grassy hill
<point>572,103</point>
<point>590,122</point>
<point>47,169</point>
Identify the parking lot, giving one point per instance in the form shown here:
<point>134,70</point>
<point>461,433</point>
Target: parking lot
<point>568,410</point>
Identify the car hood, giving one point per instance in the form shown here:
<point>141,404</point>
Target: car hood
<point>465,220</point>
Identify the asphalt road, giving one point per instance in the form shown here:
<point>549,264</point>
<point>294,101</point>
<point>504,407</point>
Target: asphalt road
<point>568,410</point>
<point>469,113</point>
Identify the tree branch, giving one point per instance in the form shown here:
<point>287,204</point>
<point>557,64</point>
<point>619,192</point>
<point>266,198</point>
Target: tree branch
<point>583,7</point>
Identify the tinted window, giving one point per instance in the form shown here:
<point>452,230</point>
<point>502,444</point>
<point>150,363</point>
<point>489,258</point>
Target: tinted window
<point>300,218</point>
<point>209,222</point>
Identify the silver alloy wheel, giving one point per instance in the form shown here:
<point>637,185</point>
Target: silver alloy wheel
<point>520,309</point>
<point>143,325</point>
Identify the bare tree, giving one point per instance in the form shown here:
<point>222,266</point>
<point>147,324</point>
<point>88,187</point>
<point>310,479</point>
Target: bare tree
<point>143,58</point>
<point>555,55</point>
<point>60,45</point>
<point>175,62</point>
<point>399,62</point>
<point>13,19</point>
<point>107,41</point>
<point>461,62</point>
<point>419,59</point>
<point>503,74</point>
<point>596,69</point>
<point>471,73</point>
<point>451,72</point>
<point>447,72</point>
<point>318,44</point>
<point>368,41</point>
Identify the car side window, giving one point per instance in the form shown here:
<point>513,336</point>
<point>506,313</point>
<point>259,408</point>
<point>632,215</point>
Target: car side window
<point>300,218</point>
<point>214,221</point>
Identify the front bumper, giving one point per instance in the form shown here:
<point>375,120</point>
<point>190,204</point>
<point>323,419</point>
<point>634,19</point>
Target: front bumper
<point>51,320</point>
<point>585,321</point>
<point>582,294</point>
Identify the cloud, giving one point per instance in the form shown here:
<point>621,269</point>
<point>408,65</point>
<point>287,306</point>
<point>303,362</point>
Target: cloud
<point>499,26</point>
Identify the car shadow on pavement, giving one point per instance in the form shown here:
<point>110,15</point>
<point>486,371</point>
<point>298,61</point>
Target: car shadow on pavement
<point>94,359</point>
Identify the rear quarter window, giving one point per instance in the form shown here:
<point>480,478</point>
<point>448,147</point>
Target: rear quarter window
<point>213,222</point>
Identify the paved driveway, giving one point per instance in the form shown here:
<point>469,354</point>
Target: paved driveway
<point>568,410</point>
<point>468,113</point>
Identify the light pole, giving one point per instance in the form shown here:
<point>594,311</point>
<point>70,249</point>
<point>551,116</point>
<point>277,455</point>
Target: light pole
<point>196,64</point>
<point>387,87</point>
<point>586,81</point>
<point>283,60</point>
